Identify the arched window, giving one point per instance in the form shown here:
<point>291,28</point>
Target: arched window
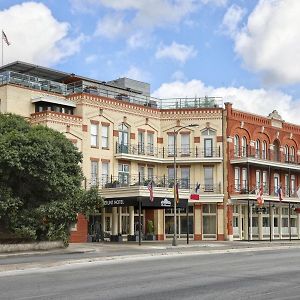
<point>286,153</point>
<point>236,146</point>
<point>292,154</point>
<point>264,150</point>
<point>123,138</point>
<point>257,149</point>
<point>244,147</point>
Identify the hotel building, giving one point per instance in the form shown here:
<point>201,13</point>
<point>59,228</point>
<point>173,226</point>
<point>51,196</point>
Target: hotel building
<point>129,139</point>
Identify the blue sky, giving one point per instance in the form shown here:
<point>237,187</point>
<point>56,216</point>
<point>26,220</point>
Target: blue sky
<point>247,52</point>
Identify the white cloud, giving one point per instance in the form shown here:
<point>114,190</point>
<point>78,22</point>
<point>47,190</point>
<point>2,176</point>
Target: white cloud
<point>176,51</point>
<point>111,26</point>
<point>36,36</point>
<point>259,101</point>
<point>178,76</point>
<point>232,18</point>
<point>270,41</point>
<point>91,58</point>
<point>136,73</point>
<point>215,2</point>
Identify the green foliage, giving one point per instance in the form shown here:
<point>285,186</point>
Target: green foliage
<point>40,181</point>
<point>150,227</point>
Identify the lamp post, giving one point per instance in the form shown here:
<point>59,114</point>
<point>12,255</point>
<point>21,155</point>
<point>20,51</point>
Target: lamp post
<point>174,242</point>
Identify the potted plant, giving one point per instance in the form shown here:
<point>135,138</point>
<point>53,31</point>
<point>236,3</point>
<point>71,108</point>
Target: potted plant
<point>150,236</point>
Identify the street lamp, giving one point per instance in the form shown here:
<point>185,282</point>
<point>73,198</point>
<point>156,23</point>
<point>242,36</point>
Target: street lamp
<point>174,242</point>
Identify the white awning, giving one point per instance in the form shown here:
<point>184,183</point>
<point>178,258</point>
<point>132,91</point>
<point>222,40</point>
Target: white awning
<point>56,100</point>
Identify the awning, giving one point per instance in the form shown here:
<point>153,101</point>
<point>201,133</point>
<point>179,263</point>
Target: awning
<point>55,100</point>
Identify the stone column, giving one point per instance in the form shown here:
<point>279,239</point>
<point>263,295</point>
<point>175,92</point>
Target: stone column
<point>159,224</point>
<point>250,223</point>
<point>272,222</point>
<point>220,218</point>
<point>260,226</point>
<point>114,226</point>
<point>240,221</point>
<point>280,222</point>
<point>131,220</point>
<point>229,222</point>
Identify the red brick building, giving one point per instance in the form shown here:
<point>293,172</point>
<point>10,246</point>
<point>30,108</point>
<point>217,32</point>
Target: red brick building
<point>263,158</point>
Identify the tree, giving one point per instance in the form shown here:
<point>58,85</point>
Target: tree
<point>40,181</point>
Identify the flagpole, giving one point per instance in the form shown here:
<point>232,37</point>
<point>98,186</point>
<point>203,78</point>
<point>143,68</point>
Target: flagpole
<point>2,46</point>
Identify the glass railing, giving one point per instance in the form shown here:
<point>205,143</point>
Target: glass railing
<point>110,92</point>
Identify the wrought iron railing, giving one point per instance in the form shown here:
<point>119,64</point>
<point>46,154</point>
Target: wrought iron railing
<point>165,152</point>
<point>126,180</point>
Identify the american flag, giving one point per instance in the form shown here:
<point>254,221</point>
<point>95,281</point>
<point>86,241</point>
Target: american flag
<point>150,188</point>
<point>259,197</point>
<point>4,37</point>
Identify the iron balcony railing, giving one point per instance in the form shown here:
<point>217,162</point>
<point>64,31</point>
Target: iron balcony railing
<point>242,188</point>
<point>267,155</point>
<point>126,180</point>
<point>91,88</point>
<point>165,152</point>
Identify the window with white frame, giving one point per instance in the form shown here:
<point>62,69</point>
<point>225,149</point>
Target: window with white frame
<point>123,138</point>
<point>257,149</point>
<point>209,220</point>
<point>257,179</point>
<point>94,172</point>
<point>264,150</point>
<point>105,132</point>
<point>123,172</point>
<point>94,135</point>
<point>150,143</point>
<point>141,170</point>
<point>237,179</point>
<point>105,172</point>
<point>171,177</point>
<point>286,153</point>
<point>276,183</point>
<point>244,147</point>
<point>185,178</point>
<point>244,179</point>
<point>208,147</point>
<point>293,185</point>
<point>141,142</point>
<point>265,182</point>
<point>236,142</point>
<point>208,179</point>
<point>171,141</point>
<point>150,173</point>
<point>292,154</point>
<point>286,184</point>
<point>185,144</point>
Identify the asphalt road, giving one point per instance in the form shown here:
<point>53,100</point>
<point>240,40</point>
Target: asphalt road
<point>245,275</point>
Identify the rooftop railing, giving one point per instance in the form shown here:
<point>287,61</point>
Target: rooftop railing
<point>108,91</point>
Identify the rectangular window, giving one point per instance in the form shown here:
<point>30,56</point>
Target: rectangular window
<point>150,143</point>
<point>141,142</point>
<point>244,179</point>
<point>185,144</point>
<point>105,131</point>
<point>185,178</point>
<point>150,173</point>
<point>237,179</point>
<point>105,172</point>
<point>293,185</point>
<point>141,170</point>
<point>208,179</point>
<point>171,141</point>
<point>171,177</point>
<point>286,184</point>
<point>94,135</point>
<point>123,174</point>
<point>257,179</point>
<point>94,172</point>
<point>265,182</point>
<point>208,147</point>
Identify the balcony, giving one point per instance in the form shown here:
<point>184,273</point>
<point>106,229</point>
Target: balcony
<point>137,185</point>
<point>272,158</point>
<point>166,155</point>
<point>241,191</point>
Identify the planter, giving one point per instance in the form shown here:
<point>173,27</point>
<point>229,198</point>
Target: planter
<point>116,238</point>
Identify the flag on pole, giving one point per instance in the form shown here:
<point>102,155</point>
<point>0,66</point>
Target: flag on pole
<point>197,188</point>
<point>259,196</point>
<point>195,196</point>
<point>298,192</point>
<point>280,193</point>
<point>176,193</point>
<point>150,188</point>
<point>4,37</point>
